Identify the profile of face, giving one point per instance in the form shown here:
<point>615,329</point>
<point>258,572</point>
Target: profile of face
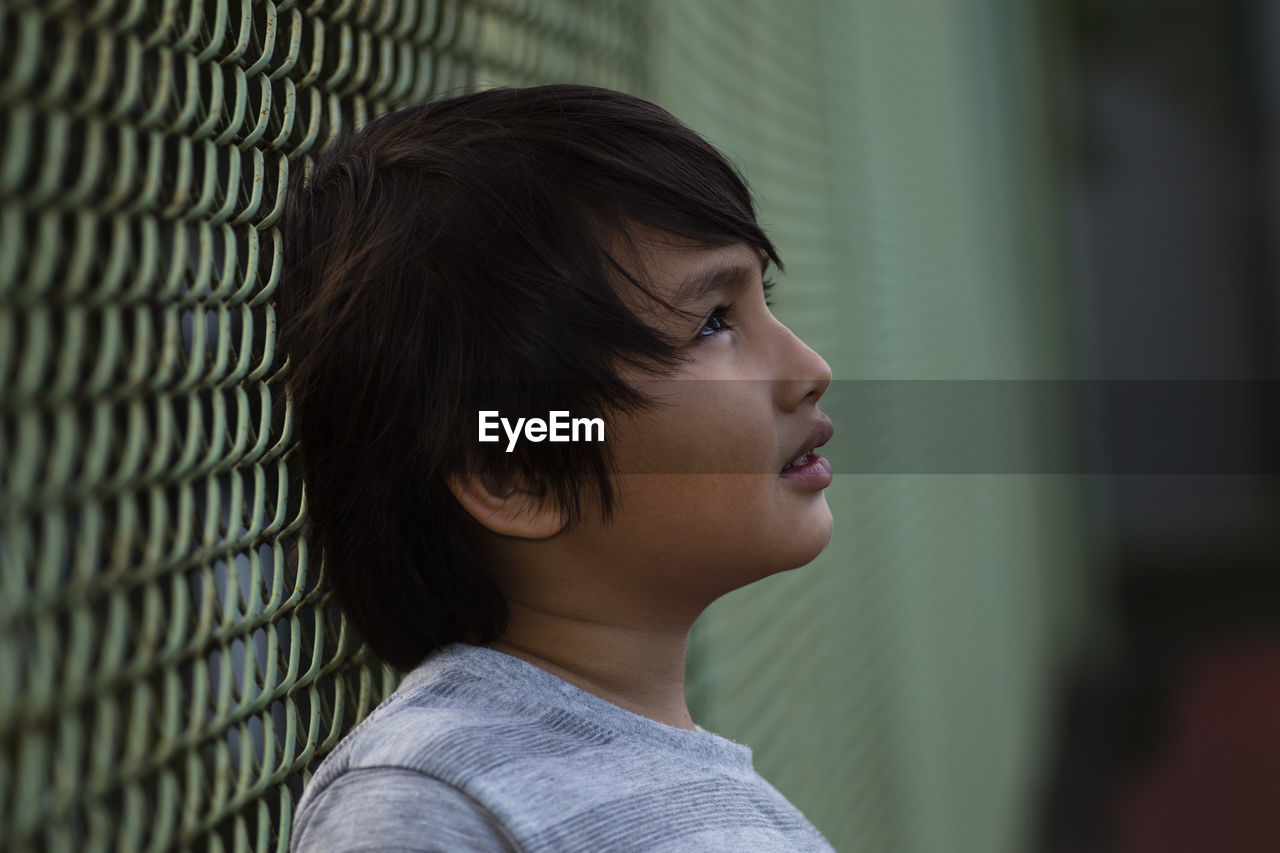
<point>716,484</point>
<point>709,493</point>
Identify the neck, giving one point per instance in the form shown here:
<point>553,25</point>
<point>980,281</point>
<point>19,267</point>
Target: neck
<point>636,667</point>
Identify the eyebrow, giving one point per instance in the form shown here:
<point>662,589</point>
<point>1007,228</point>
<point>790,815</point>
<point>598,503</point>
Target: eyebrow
<point>705,282</point>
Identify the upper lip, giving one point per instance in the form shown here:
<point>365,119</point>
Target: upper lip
<point>819,435</point>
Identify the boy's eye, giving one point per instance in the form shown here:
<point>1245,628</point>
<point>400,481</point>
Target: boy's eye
<point>715,322</point>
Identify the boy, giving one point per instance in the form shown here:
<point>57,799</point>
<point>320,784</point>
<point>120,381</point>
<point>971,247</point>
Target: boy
<point>462,279</point>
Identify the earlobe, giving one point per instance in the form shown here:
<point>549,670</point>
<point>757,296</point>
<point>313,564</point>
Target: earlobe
<point>507,511</point>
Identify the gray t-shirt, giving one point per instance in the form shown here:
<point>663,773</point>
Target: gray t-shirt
<point>478,750</point>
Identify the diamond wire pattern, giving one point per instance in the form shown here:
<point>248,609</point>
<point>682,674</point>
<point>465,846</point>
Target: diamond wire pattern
<point>171,667</point>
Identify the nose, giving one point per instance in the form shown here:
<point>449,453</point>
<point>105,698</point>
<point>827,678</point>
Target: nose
<point>803,375</point>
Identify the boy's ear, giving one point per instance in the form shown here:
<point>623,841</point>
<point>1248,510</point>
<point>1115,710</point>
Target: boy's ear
<point>506,509</point>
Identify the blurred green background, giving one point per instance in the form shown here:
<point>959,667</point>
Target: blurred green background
<point>897,689</point>
<point>961,191</point>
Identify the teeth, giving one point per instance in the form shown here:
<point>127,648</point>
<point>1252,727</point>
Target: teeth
<point>798,461</point>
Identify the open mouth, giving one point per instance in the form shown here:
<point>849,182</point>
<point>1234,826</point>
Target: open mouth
<point>798,462</point>
<point>819,434</point>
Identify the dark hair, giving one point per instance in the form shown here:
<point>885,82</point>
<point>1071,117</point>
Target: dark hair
<point>453,257</point>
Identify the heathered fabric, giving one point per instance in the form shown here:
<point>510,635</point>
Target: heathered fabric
<point>478,750</point>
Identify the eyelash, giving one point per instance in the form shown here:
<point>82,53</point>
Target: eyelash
<point>720,313</point>
<point>717,315</point>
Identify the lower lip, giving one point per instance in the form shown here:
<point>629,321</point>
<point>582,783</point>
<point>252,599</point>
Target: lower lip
<point>814,474</point>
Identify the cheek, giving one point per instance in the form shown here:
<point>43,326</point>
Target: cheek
<point>691,523</point>
<point>719,532</point>
<point>701,427</point>
<point>703,503</point>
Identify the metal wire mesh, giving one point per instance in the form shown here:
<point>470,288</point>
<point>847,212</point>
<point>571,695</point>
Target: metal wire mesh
<point>170,665</point>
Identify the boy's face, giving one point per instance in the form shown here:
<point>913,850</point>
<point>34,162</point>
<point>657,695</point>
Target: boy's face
<point>704,504</point>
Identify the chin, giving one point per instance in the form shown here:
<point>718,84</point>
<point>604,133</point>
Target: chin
<point>805,546</point>
<point>816,538</point>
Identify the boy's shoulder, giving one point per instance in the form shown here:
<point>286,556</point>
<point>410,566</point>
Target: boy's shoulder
<point>461,713</point>
<point>545,765</point>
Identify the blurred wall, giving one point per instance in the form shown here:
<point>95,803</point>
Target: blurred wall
<point>1170,740</point>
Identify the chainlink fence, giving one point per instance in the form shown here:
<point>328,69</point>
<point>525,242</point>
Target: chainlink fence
<point>171,667</point>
